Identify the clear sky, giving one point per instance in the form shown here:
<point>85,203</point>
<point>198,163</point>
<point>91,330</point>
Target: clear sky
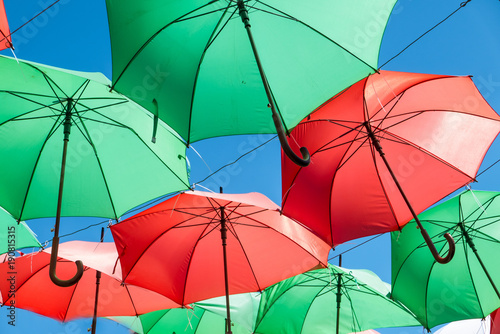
<point>73,34</point>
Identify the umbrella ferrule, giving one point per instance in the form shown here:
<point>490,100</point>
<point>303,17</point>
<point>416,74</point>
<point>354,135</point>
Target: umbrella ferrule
<point>223,228</point>
<point>67,120</point>
<point>339,287</point>
<point>243,13</point>
<point>374,140</point>
<point>468,239</point>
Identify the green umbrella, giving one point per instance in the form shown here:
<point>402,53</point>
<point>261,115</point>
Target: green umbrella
<point>188,321</point>
<point>109,164</point>
<point>330,300</point>
<point>15,235</point>
<point>467,286</point>
<point>215,68</point>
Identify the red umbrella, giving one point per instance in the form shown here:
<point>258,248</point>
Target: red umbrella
<point>495,319</point>
<point>198,245</point>
<point>5,39</point>
<point>385,149</point>
<point>34,291</point>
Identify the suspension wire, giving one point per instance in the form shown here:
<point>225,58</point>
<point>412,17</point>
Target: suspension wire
<point>159,199</point>
<point>350,249</point>
<point>34,17</point>
<point>462,5</point>
<point>235,161</point>
<point>493,164</point>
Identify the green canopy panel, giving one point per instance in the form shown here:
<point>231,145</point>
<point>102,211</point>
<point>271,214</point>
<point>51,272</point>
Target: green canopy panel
<point>14,235</point>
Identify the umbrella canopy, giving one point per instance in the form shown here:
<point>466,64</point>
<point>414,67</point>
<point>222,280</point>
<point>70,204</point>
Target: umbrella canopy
<point>35,292</point>
<point>470,326</point>
<point>199,245</point>
<point>104,140</point>
<point>385,149</point>
<point>206,73</point>
<point>15,235</point>
<point>330,300</point>
<point>5,39</point>
<point>189,321</point>
<point>468,286</point>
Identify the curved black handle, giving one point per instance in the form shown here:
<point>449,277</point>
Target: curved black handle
<point>52,269</point>
<point>306,158</point>
<point>432,247</point>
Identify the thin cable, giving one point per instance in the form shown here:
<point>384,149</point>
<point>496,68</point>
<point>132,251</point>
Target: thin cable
<point>350,249</point>
<point>235,161</point>
<point>488,168</point>
<point>159,199</point>
<point>34,17</point>
<point>85,228</point>
<point>425,33</point>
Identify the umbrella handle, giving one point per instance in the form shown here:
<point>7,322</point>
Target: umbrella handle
<point>306,158</point>
<point>432,247</point>
<point>52,269</point>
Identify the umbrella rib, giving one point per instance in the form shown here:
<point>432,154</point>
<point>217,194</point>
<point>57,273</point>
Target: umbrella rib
<point>233,232</point>
<point>50,82</point>
<point>146,146</point>
<point>42,106</point>
<point>52,130</point>
<point>129,293</point>
<point>267,308</point>
<point>212,38</point>
<point>400,140</point>
<point>156,321</point>
<point>7,298</point>
<point>469,271</point>
<point>319,33</point>
<point>189,264</point>
<point>18,92</point>
<point>309,306</point>
<point>373,154</point>
<point>86,135</point>
<point>72,295</point>
<point>143,46</point>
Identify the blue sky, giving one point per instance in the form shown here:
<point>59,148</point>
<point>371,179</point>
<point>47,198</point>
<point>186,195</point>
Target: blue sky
<point>73,34</point>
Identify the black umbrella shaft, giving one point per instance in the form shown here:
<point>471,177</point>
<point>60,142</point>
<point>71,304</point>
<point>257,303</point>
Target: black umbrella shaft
<point>97,283</point>
<point>223,234</point>
<point>427,238</point>
<point>339,299</point>
<point>55,239</point>
<point>471,244</point>
<point>304,161</point>
<point>67,131</point>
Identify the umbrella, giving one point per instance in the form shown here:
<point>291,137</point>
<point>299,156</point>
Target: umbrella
<point>185,246</point>
<point>5,39</point>
<point>385,149</point>
<point>466,287</point>
<point>15,235</point>
<point>28,285</point>
<point>189,321</point>
<point>470,326</point>
<point>104,141</point>
<point>330,300</point>
<point>212,68</point>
